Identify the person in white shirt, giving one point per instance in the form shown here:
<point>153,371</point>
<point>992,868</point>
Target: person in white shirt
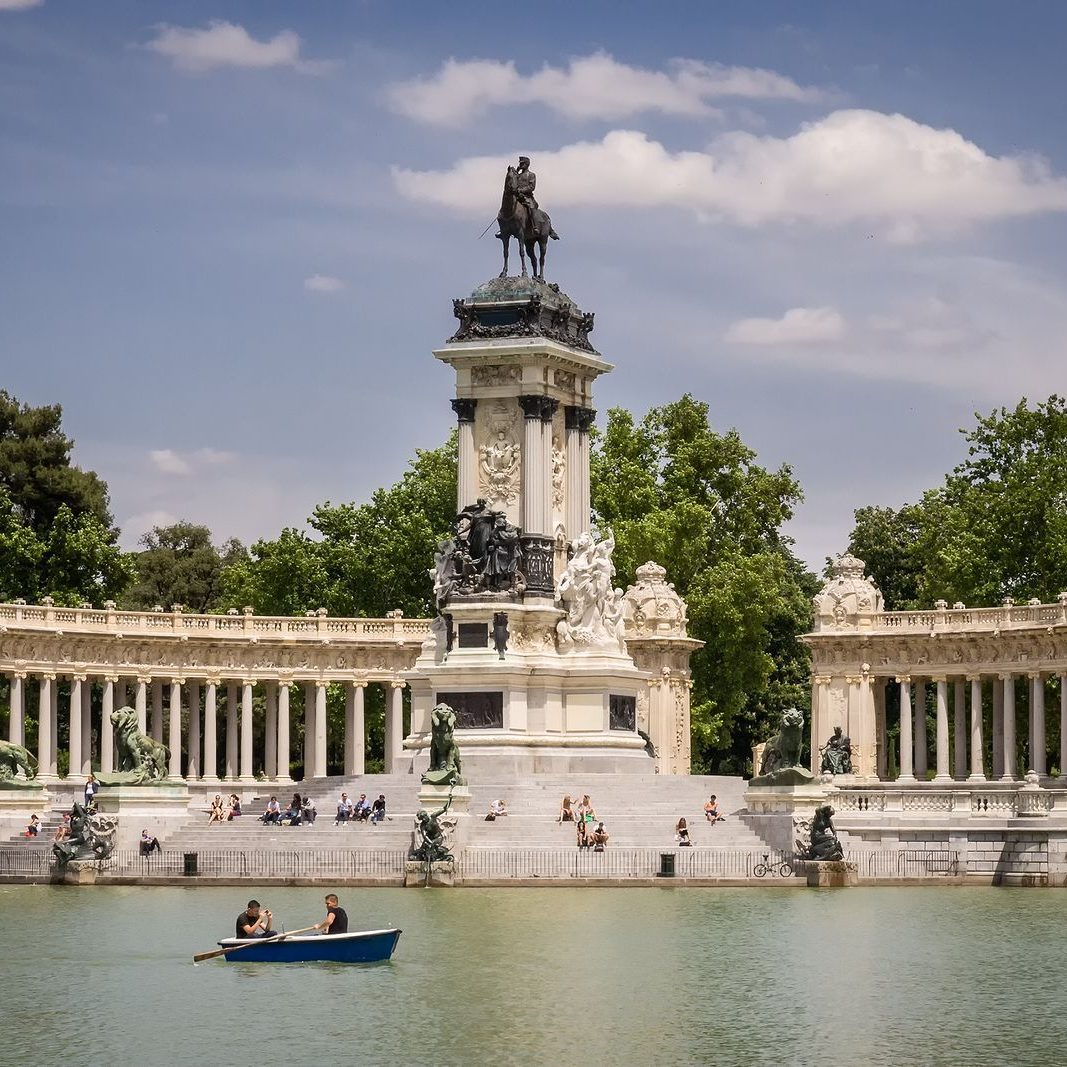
<point>344,809</point>
<point>273,814</point>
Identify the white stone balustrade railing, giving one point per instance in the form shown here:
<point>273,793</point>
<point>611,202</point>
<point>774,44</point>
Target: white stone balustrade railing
<point>955,619</point>
<point>985,802</point>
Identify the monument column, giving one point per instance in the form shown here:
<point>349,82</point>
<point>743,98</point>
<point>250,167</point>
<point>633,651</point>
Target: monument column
<point>354,728</point>
<point>192,756</point>
<point>537,494</point>
<point>141,704</point>
<point>231,729</point>
<point>320,729</point>
<point>922,750</point>
<point>977,757</point>
<point>467,468</point>
<point>586,418</point>
<point>998,727</point>
<point>211,757</point>
<point>53,717</point>
<point>46,685</point>
<point>959,728</point>
<point>87,727</point>
<point>246,730</point>
<point>942,774</point>
<point>907,773</point>
<point>1037,724</point>
<point>16,726</point>
<point>1009,727</point>
<point>533,517</point>
<point>394,726</point>
<point>283,731</point>
<point>270,729</point>
<point>549,406</point>
<point>573,499</point>
<point>74,737</point>
<point>310,770</point>
<point>107,729</point>
<point>157,710</point>
<point>174,729</point>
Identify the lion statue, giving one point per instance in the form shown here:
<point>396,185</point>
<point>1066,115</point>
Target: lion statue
<point>140,759</point>
<point>15,758</point>
<point>784,749</point>
<point>445,764</point>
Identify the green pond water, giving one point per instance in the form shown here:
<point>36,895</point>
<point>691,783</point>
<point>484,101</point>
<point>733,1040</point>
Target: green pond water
<point>962,976</point>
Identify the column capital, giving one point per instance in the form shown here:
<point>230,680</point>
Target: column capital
<point>79,677</point>
<point>1034,675</point>
<point>212,679</point>
<point>939,678</point>
<point>20,675</point>
<point>249,681</point>
<point>112,678</point>
<point>48,676</point>
<point>1006,676</point>
<point>397,684</point>
<point>177,681</point>
<point>904,679</point>
<point>321,683</point>
<point>549,407</point>
<point>531,405</point>
<point>359,683</point>
<point>821,679</point>
<point>285,680</point>
<point>464,408</point>
<point>144,679</point>
<point>973,677</point>
<point>579,418</point>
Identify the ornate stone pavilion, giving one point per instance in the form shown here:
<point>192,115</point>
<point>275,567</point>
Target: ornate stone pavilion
<point>992,677</point>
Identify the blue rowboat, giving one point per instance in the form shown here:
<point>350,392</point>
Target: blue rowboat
<point>362,946</point>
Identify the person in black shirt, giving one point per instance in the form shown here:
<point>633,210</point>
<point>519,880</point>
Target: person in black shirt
<point>253,922</point>
<point>336,921</point>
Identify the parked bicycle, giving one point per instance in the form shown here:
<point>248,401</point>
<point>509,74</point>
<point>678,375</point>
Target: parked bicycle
<point>781,869</point>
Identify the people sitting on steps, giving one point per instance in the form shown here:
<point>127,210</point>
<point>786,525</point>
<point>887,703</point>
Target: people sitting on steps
<point>377,809</point>
<point>217,811</point>
<point>294,814</point>
<point>361,812</point>
<point>33,828</point>
<point>681,833</point>
<point>345,809</point>
<point>149,843</point>
<point>566,812</point>
<point>233,810</point>
<point>497,809</point>
<point>599,838</point>
<point>273,812</point>
<point>711,811</point>
<point>309,810</point>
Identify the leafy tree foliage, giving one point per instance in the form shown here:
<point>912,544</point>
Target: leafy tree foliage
<point>673,490</point>
<point>364,559</point>
<point>179,564</point>
<point>997,527</point>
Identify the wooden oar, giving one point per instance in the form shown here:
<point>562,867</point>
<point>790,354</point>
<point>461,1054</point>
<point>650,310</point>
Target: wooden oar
<point>200,957</point>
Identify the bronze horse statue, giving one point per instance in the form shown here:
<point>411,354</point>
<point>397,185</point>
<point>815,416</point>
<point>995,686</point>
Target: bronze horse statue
<point>532,230</point>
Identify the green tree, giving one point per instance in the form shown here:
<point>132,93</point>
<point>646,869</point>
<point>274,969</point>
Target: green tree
<point>36,471</point>
<point>997,527</point>
<point>179,564</point>
<point>672,489</point>
<point>364,559</point>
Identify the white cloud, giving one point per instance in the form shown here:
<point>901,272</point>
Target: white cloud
<point>899,178</point>
<point>797,326</point>
<point>323,283</point>
<point>167,461</point>
<point>590,87</point>
<point>213,456</point>
<point>136,525</point>
<point>225,44</point>
<point>19,5</point>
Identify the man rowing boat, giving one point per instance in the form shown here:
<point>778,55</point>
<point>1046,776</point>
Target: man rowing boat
<point>336,921</point>
<point>254,922</point>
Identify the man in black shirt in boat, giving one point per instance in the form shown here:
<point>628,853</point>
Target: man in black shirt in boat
<point>336,921</point>
<point>254,922</point>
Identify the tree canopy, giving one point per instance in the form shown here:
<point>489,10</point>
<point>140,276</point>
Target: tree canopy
<point>674,490</point>
<point>996,528</point>
<point>179,564</point>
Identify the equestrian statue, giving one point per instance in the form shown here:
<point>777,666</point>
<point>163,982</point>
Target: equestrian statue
<point>521,218</point>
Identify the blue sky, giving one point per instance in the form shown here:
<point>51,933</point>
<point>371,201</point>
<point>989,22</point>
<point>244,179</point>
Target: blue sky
<point>231,232</point>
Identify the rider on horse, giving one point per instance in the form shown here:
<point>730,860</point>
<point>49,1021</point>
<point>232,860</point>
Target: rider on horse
<point>525,184</point>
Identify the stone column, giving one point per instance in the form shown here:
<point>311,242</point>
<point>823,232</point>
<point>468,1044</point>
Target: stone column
<point>310,771</point>
<point>880,730</point>
<point>107,729</point>
<point>270,729</point>
<point>586,417</point>
<point>998,727</point>
<point>87,728</point>
<point>922,749</point>
<point>977,768</point>
<point>74,736</point>
<point>246,730</point>
<point>320,729</point>
<point>283,732</point>
<point>157,710</point>
<point>174,729</point>
<point>141,704</point>
<point>959,728</point>
<point>942,774</point>
<point>193,771</point>
<point>549,406</point>
<point>1008,681</point>
<point>120,692</point>
<point>211,757</point>
<point>231,730</point>
<point>573,493</point>
<point>16,724</point>
<point>394,726</point>
<point>534,519</point>
<point>53,717</point>
<point>46,686</point>
<point>1037,720</point>
<point>1063,725</point>
<point>907,772</point>
<point>467,470</point>
<point>355,730</point>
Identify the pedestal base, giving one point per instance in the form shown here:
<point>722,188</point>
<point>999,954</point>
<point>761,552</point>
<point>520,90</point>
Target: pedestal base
<point>831,874</point>
<point>441,874</point>
<point>159,809</point>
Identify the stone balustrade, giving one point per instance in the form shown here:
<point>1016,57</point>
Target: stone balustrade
<point>990,802</point>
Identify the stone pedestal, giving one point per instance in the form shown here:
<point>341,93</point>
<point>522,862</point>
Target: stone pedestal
<point>82,872</point>
<point>773,811</point>
<point>18,801</point>
<point>527,708</point>
<point>159,809</point>
<point>439,874</point>
<point>831,874</point>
